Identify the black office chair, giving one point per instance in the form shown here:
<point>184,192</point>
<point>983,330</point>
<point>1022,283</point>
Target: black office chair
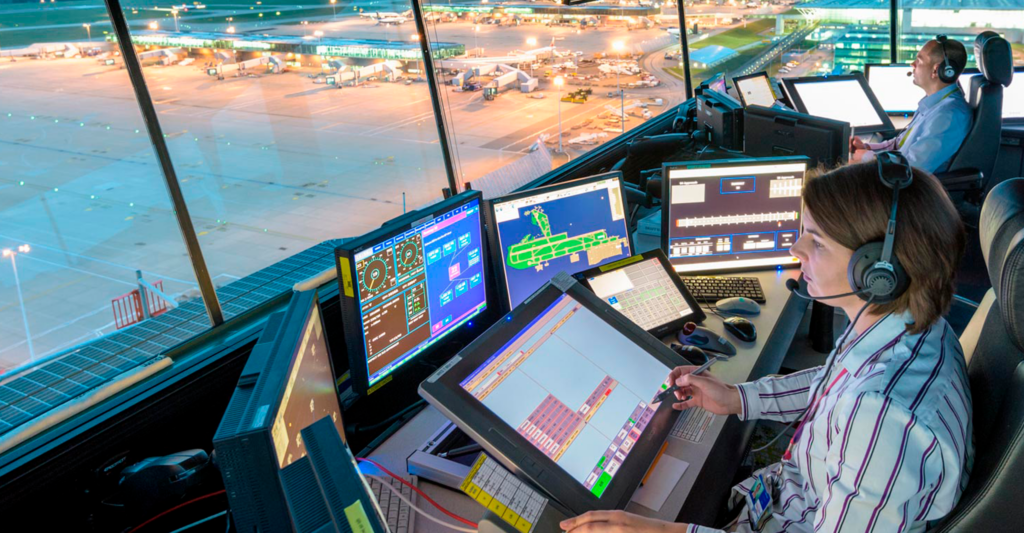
<point>969,176</point>
<point>993,345</point>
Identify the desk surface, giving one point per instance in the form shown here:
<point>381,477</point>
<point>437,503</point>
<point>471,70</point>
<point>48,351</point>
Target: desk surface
<point>712,462</point>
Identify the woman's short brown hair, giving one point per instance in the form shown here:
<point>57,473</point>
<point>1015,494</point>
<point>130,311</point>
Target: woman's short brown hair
<point>851,205</point>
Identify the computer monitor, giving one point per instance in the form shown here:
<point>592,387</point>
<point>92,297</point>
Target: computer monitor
<point>732,214</point>
<point>894,87</point>
<point>409,284</point>
<point>772,132</point>
<point>563,391</point>
<point>755,89</point>
<point>569,226</point>
<point>287,384</point>
<point>846,98</point>
<point>719,118</point>
<point>717,83</point>
<point>1013,98</point>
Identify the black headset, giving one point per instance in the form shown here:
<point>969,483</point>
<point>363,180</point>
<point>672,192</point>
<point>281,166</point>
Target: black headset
<point>873,269</point>
<point>947,74</point>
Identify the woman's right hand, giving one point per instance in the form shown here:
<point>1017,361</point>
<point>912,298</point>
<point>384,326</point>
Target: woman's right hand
<point>705,391</point>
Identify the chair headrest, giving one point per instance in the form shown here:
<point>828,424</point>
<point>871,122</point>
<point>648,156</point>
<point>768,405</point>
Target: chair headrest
<point>994,57</point>
<point>1002,242</point>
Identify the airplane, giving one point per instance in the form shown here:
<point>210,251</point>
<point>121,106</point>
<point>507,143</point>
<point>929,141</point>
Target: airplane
<point>674,32</point>
<point>753,5</point>
<point>388,18</point>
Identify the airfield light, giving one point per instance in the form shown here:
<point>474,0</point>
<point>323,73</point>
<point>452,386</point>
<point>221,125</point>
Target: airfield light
<point>532,41</point>
<point>318,33</point>
<point>415,37</point>
<point>231,29</point>
<point>153,25</point>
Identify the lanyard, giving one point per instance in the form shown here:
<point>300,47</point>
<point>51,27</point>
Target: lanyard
<point>903,137</point>
<point>810,413</point>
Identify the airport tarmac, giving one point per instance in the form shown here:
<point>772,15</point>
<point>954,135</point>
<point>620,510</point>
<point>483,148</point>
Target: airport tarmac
<point>268,165</point>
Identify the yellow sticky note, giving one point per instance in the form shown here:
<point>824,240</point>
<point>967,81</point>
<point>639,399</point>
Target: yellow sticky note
<point>346,277</point>
<point>484,499</point>
<point>523,525</point>
<point>510,516</point>
<point>357,519</point>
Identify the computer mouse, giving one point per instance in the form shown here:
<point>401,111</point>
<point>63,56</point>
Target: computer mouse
<point>738,306</point>
<point>692,354</point>
<point>741,328</point>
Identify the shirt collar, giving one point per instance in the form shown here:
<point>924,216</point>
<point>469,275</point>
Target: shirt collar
<point>932,100</point>
<point>881,336</point>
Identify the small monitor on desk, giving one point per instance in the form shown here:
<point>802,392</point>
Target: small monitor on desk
<point>409,284</point>
<point>570,226</point>
<point>733,214</point>
<point>719,118</point>
<point>845,98</point>
<point>894,87</point>
<point>287,384</point>
<point>755,89</point>
<point>562,391</point>
<point>772,131</point>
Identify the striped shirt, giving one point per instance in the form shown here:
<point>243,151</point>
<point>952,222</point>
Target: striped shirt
<point>887,448</point>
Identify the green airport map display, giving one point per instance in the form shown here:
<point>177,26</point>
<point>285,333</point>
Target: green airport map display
<point>533,252</point>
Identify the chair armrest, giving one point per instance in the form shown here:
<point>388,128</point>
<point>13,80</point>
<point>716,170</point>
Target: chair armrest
<point>962,180</point>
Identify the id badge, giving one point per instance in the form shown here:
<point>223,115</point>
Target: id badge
<point>759,503</point>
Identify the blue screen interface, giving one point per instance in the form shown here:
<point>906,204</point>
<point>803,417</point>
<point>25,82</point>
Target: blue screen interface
<point>419,285</point>
<point>571,229</point>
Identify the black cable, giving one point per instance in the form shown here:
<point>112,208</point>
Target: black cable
<point>828,366</point>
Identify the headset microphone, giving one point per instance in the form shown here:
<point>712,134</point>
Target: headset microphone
<point>794,287</point>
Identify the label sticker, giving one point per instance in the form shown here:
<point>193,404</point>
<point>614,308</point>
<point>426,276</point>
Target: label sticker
<point>346,277</point>
<point>357,519</point>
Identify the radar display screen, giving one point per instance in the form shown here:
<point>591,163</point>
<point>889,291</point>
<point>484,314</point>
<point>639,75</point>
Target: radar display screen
<point>416,286</point>
<point>570,228</point>
<point>732,214</point>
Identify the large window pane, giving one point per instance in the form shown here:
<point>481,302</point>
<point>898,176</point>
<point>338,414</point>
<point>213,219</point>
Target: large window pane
<point>786,38</point>
<point>289,124</point>
<point>502,96</point>
<point>919,23</point>
<point>83,203</point>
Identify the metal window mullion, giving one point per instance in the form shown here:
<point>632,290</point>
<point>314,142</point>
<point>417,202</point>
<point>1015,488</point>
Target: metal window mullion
<point>894,52</point>
<point>685,47</point>
<point>188,232</point>
<point>435,96</point>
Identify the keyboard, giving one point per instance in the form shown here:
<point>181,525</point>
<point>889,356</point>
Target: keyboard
<point>401,517</point>
<point>692,424</point>
<point>714,288</point>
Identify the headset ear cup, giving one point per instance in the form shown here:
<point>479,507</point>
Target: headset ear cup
<point>947,74</point>
<point>863,259</point>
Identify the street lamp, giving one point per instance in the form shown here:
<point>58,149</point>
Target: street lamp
<point>476,44</point>
<point>334,8</point>
<point>88,30</point>
<point>22,249</point>
<point>174,13</point>
<point>559,81</point>
<point>618,46</point>
<point>305,29</point>
<point>531,42</point>
<point>153,25</point>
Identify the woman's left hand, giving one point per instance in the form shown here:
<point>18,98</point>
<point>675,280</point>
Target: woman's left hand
<point>618,522</point>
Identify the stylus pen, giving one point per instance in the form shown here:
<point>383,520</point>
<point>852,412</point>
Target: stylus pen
<point>665,393</point>
<point>461,450</point>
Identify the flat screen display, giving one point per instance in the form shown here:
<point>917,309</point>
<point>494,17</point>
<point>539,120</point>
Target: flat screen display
<point>893,88</point>
<point>644,291</point>
<point>756,90</point>
<point>571,228</point>
<point>575,387</point>
<point>732,214</point>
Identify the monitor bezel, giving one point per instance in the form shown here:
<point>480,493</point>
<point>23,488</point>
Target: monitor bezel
<point>697,313</point>
<point>763,74</point>
<point>494,242</point>
<point>867,75</point>
<point>666,207</point>
<point>885,126</point>
<point>348,296</point>
<point>502,442</point>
